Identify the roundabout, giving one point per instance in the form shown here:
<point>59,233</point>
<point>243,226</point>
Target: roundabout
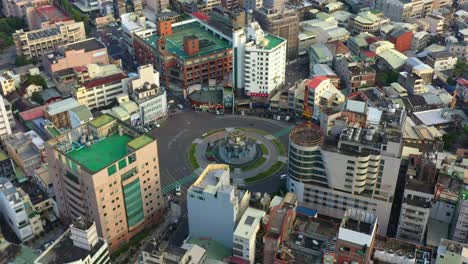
<point>250,153</point>
<point>181,157</point>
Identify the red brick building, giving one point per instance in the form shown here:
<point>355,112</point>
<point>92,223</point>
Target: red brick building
<point>186,53</point>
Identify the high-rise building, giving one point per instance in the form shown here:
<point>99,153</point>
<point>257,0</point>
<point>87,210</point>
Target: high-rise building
<point>260,61</point>
<point>350,161</point>
<point>417,198</point>
<point>157,5</point>
<point>35,43</point>
<point>356,237</point>
<point>108,172</point>
<point>5,122</point>
<point>215,206</point>
<point>278,20</point>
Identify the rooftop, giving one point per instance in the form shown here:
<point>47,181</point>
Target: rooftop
<point>273,41</point>
<point>63,251</point>
<point>3,155</point>
<point>210,42</point>
<point>249,223</point>
<point>101,121</point>
<point>306,134</point>
<point>140,141</point>
<point>61,106</point>
<point>87,45</point>
<point>214,250</point>
<point>50,13</point>
<point>102,153</point>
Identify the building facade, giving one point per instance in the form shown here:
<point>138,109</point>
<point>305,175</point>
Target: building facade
<point>317,163</point>
<point>186,53</point>
<point>8,82</point>
<point>35,43</point>
<point>245,235</point>
<point>260,61</point>
<point>114,180</point>
<point>212,192</point>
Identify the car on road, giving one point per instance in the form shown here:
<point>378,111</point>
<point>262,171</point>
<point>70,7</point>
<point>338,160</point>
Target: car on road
<point>287,118</point>
<point>178,190</point>
<point>242,112</point>
<point>180,106</point>
<point>157,125</point>
<point>283,176</point>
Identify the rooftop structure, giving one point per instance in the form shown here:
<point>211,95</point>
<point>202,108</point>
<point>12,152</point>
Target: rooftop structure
<point>192,43</point>
<point>44,16</point>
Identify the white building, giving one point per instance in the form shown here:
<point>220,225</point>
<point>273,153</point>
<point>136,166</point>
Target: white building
<point>5,119</point>
<point>322,94</point>
<point>150,97</point>
<point>138,25</point>
<point>105,83</point>
<point>260,61</point>
<point>78,245</point>
<point>188,253</point>
<point>9,81</point>
<point>14,211</point>
<point>246,234</point>
<point>215,206</point>
<point>347,162</point>
<point>441,60</point>
<point>404,11</point>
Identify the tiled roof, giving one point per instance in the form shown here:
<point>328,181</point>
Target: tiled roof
<point>316,81</point>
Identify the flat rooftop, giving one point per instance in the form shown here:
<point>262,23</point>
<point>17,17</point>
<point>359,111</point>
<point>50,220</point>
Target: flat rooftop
<point>102,153</point>
<point>101,120</point>
<point>273,41</point>
<point>65,252</point>
<point>87,45</point>
<point>210,42</point>
<point>140,141</point>
<point>214,250</point>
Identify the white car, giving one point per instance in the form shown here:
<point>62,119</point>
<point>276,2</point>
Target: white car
<point>242,112</point>
<point>157,125</point>
<point>180,106</point>
<point>283,176</point>
<point>178,190</point>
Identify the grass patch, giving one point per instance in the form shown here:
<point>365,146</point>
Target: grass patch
<point>255,130</point>
<point>209,133</point>
<point>265,174</point>
<point>264,149</point>
<point>191,156</point>
<point>254,164</point>
<point>279,147</point>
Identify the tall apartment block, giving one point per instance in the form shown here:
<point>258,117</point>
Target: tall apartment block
<point>215,206</point>
<point>186,53</point>
<point>356,237</point>
<point>33,44</point>
<point>245,235</point>
<point>350,161</point>
<point>108,172</point>
<point>5,124</point>
<point>417,198</point>
<point>278,20</point>
<point>260,61</point>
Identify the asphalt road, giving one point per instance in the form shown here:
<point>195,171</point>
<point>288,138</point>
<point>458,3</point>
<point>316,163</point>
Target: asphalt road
<point>178,132</point>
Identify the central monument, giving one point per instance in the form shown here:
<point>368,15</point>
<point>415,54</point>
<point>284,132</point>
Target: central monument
<point>236,149</point>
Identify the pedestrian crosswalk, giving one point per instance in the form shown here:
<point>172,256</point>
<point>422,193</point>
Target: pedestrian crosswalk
<point>283,131</point>
<point>182,181</point>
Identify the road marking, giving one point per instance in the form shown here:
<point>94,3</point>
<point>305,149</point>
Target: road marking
<point>182,181</point>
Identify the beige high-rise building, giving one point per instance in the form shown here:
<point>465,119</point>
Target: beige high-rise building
<point>108,172</point>
<point>33,44</point>
<point>283,23</point>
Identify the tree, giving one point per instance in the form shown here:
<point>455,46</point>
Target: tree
<point>36,97</point>
<point>387,77</point>
<point>461,68</point>
<point>37,80</point>
<point>21,60</point>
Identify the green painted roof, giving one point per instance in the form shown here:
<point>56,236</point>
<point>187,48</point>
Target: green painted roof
<point>273,41</point>
<point>214,250</point>
<point>102,153</point>
<point>25,256</point>
<point>209,42</point>
<point>101,120</point>
<point>140,141</point>
<point>3,155</point>
<point>20,175</point>
<point>53,131</point>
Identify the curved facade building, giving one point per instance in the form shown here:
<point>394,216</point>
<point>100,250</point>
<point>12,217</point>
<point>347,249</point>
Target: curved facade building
<point>305,161</point>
